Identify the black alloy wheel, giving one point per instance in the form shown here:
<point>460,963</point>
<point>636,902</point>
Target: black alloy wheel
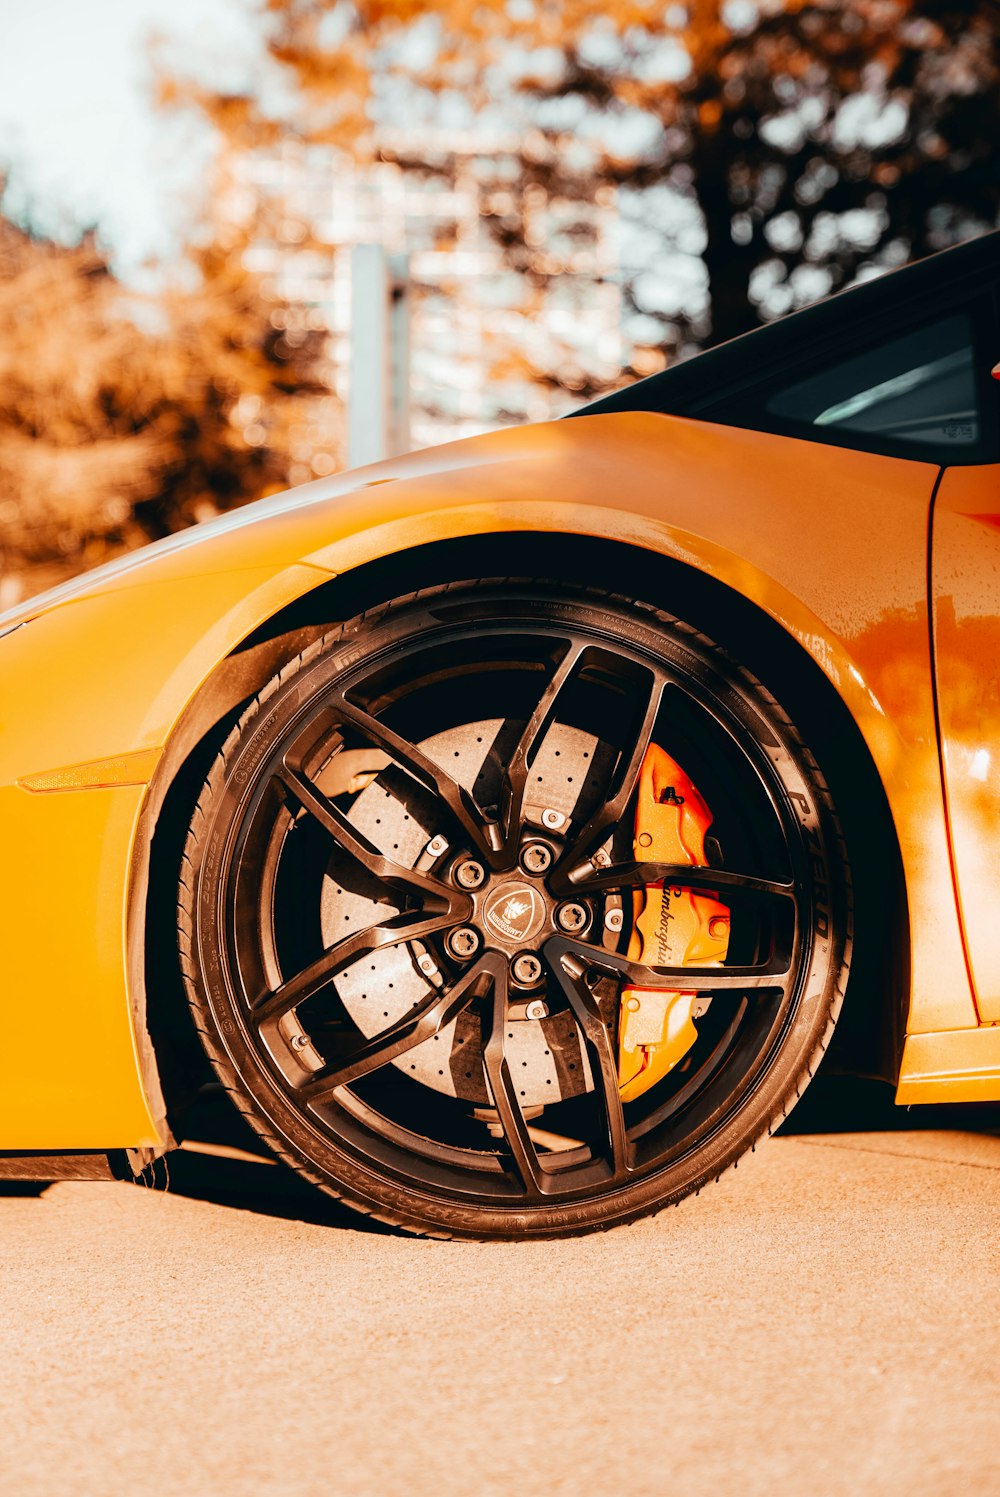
<point>407,901</point>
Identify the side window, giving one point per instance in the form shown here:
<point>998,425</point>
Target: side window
<point>916,389</point>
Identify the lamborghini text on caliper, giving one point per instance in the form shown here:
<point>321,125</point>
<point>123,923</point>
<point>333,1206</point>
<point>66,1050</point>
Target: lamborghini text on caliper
<point>672,926</point>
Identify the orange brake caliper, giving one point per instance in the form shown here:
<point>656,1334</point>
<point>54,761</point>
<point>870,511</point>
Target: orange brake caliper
<point>672,926</point>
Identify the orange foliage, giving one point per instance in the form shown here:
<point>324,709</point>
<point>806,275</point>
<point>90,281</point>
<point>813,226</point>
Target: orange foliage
<point>124,417</point>
<point>751,130</point>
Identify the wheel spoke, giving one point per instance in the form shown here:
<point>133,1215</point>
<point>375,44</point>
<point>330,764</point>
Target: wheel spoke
<point>516,773</point>
<point>406,880</point>
<point>502,1089</point>
<point>626,776</point>
<point>587,880</point>
<point>772,974</point>
<point>570,971</point>
<point>305,984</point>
<point>483,833</point>
<point>422,1023</point>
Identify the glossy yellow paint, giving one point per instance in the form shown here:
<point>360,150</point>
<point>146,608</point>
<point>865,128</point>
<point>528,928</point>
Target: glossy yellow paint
<point>75,1069</point>
<point>69,1074</point>
<point>107,665</point>
<point>965,582</point>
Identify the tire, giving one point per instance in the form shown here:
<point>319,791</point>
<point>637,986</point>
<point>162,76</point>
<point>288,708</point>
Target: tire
<point>392,828</point>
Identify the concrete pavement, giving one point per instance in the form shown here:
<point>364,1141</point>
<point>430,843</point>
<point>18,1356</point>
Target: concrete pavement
<point>825,1320</point>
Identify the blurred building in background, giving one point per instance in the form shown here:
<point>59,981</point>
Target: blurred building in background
<point>489,345</point>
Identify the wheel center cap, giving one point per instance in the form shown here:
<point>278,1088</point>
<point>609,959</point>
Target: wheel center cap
<point>514,913</point>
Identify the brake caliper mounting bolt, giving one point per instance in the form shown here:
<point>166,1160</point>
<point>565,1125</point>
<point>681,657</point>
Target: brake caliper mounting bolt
<point>470,874</point>
<point>553,819</point>
<point>463,941</point>
<point>536,857</point>
<point>437,845</point>
<point>614,920</point>
<point>526,969</point>
<point>571,917</point>
<point>536,1009</point>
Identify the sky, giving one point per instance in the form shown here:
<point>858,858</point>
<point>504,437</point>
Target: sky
<point>77,128</point>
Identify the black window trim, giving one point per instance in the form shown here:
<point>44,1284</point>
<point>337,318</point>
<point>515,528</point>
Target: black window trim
<point>725,384</point>
<point>980,307</point>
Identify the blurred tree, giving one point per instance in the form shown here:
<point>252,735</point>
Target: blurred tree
<point>126,416</point>
<point>786,145</point>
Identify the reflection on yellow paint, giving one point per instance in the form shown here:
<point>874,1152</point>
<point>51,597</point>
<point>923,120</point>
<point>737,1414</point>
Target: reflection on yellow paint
<point>979,768</point>
<point>966,584</point>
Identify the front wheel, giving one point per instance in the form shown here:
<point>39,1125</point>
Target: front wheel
<point>508,911</point>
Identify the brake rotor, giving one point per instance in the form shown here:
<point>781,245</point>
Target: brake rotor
<point>545,1055</point>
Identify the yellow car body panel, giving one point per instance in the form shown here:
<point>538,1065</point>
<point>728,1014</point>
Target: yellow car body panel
<point>830,542</point>
<point>955,1065</point>
<point>965,585</point>
<point>69,1068</point>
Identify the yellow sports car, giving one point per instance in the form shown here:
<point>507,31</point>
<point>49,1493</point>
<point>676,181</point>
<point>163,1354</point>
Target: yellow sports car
<point>511,822</point>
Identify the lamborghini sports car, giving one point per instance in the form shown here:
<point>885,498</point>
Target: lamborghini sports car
<point>507,825</point>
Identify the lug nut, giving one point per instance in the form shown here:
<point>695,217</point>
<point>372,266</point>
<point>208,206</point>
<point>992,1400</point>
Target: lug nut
<point>614,920</point>
<point>463,942</point>
<point>469,874</point>
<point>536,857</point>
<point>571,917</point>
<point>526,969</point>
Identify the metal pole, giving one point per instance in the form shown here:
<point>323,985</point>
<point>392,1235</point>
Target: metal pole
<point>378,423</point>
<point>399,357</point>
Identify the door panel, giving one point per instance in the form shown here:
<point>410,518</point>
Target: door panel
<point>965,585</point>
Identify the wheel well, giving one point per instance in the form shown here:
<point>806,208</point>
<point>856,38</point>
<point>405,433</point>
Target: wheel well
<point>869,1034</point>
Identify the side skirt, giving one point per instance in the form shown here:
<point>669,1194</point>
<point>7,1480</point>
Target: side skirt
<point>951,1065</point>
<point>93,1164</point>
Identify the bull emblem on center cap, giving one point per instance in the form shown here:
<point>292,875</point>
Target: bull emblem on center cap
<point>515,914</point>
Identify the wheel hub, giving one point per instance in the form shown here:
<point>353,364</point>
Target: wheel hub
<point>513,914</point>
